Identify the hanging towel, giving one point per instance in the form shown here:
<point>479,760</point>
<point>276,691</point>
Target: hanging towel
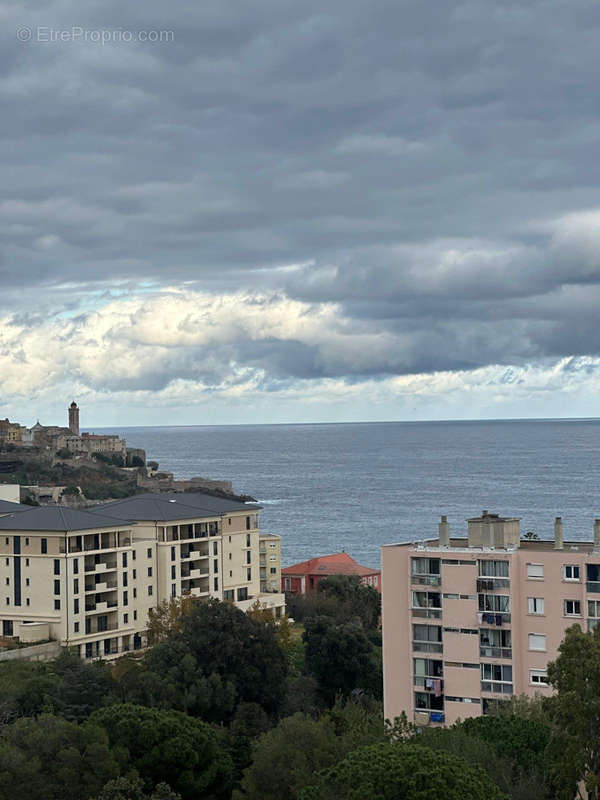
<point>479,617</point>
<point>437,687</point>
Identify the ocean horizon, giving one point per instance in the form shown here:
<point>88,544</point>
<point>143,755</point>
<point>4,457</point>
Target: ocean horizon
<point>356,486</point>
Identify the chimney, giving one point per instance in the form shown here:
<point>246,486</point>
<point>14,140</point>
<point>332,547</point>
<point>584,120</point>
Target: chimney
<point>558,534</point>
<point>596,536</point>
<point>444,532</point>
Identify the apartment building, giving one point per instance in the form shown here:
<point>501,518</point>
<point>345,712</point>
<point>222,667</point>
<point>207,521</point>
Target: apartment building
<point>89,578</point>
<point>270,562</point>
<point>470,622</point>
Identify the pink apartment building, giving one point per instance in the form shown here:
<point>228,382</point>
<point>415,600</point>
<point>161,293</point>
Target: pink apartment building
<point>469,622</point>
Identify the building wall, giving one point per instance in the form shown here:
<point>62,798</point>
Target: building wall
<point>463,623</point>
<point>270,562</point>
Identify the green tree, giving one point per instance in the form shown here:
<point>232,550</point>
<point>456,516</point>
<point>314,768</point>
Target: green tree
<point>392,771</point>
<point>169,746</point>
<point>220,658</point>
<point>133,789</point>
<point>52,759</point>
<point>575,706</point>
<point>285,758</point>
<point>339,656</point>
<point>357,601</point>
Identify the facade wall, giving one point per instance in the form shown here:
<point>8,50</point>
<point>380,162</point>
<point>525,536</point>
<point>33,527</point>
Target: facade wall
<point>498,633</point>
<point>270,563</point>
<point>94,589</point>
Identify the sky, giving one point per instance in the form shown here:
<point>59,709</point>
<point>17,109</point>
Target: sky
<point>282,211</point>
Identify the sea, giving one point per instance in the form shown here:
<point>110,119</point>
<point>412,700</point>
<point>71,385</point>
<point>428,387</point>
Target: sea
<point>357,486</point>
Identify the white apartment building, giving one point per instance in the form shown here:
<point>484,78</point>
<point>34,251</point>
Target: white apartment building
<point>89,578</point>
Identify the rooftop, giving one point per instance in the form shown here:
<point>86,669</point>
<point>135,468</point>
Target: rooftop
<point>335,564</point>
<point>7,507</point>
<point>167,506</point>
<point>58,518</point>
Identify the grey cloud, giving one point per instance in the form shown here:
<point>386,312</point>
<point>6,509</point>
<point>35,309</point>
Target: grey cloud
<point>365,141</point>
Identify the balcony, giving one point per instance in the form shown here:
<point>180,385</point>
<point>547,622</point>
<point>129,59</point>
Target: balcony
<point>427,683</point>
<point>488,584</point>
<point>427,647</point>
<point>198,573</point>
<point>101,607</point>
<point>593,587</point>
<point>428,613</point>
<point>426,580</point>
<point>424,716</point>
<point>495,652</point>
<point>496,687</point>
<point>103,586</point>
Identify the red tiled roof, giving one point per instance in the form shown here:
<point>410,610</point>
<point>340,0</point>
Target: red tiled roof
<point>335,564</point>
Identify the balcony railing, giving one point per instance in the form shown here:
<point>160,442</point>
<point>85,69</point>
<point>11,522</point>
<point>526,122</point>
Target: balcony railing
<point>426,683</point>
<point>495,618</point>
<point>428,647</point>
<point>488,584</point>
<point>495,652</point>
<point>496,687</point>
<point>429,613</point>
<point>426,580</point>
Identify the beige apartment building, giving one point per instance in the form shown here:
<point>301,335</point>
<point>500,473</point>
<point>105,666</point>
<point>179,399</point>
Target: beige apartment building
<point>88,578</point>
<point>470,622</point>
<point>270,562</point>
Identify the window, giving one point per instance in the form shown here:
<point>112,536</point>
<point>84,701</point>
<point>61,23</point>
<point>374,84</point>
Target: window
<point>535,571</point>
<point>497,603</point>
<point>249,574</point>
<point>228,594</point>
<point>26,581</point>
<point>124,559</point>
<point>538,677</point>
<point>27,602</point>
<point>173,590</point>
<point>149,552</point>
<point>571,572</point>
<point>134,574</point>
<point>44,545</point>
<point>173,572</point>
<point>493,569</point>
<point>57,605</point>
<point>242,594</point>
<point>229,520</point>
<point>248,556</point>
<point>230,556</point>
<point>427,638</point>
<point>125,619</point>
<point>133,554</point>
<point>496,678</point>
<point>27,562</point>
<point>135,614</point>
<point>425,566</point>
<point>535,605</point>
<point>172,554</point>
<point>57,566</point>
<point>215,548</point>
<point>572,608</point>
<point>537,641</point>
<point>594,608</point>
<point>56,587</point>
<point>247,523</point>
<point>273,570</point>
<point>134,592</point>
<point>426,672</point>
<point>149,591</point>
<point>125,599</point>
<point>76,606</point>
<point>76,627</point>
<point>27,541</point>
<point>149,572</point>
<point>75,566</point>
<point>76,586</point>
<point>216,584</point>
<point>216,565</point>
<point>124,579</point>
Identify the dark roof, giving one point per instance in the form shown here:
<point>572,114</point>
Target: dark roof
<point>167,506</point>
<point>58,518</point>
<point>6,507</point>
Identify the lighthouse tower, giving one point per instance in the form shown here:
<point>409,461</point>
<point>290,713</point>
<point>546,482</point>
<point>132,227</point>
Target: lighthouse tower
<point>74,418</point>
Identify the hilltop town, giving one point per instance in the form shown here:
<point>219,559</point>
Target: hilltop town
<point>61,464</point>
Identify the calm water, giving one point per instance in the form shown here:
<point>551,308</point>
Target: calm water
<point>357,486</point>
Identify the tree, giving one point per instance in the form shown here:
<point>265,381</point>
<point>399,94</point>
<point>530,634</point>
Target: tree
<point>133,789</point>
<point>339,656</point>
<point>167,618</point>
<point>219,659</point>
<point>357,600</point>
<point>169,746</point>
<point>52,759</point>
<point>391,771</point>
<point>575,707</point>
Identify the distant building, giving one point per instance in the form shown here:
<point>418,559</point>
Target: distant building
<point>11,432</point>
<point>470,622</point>
<point>270,562</point>
<point>304,578</point>
<point>88,579</point>
<point>74,418</point>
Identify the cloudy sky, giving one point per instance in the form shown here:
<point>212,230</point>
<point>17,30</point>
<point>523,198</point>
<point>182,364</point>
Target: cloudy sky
<point>298,211</point>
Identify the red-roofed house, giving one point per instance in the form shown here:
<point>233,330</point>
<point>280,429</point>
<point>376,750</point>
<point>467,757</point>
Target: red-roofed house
<point>304,578</point>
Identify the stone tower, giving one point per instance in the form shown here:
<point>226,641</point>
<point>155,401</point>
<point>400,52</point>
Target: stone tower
<point>74,418</point>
